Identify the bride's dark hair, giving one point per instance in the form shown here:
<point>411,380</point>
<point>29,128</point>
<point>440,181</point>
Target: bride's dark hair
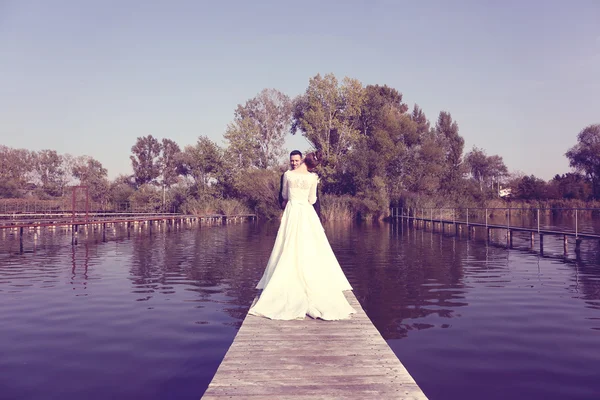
<point>313,159</point>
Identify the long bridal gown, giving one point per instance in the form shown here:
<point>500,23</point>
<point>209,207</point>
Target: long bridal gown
<point>303,276</point>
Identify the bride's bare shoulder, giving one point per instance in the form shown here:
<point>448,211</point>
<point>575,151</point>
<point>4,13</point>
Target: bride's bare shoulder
<point>298,173</point>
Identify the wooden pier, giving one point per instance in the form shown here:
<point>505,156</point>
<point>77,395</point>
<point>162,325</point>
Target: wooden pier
<point>10,221</point>
<point>448,225</point>
<point>311,359</point>
<point>76,222</point>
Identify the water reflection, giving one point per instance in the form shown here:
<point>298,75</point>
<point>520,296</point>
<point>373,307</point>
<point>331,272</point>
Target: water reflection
<point>79,272</point>
<point>509,307</point>
<point>169,303</point>
<point>397,276</point>
<point>206,262</point>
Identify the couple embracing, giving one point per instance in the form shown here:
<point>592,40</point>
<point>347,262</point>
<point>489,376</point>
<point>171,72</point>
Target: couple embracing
<point>303,276</point>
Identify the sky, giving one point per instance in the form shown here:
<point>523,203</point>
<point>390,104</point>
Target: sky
<point>521,78</point>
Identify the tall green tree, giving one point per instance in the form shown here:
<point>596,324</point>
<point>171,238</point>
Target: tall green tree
<point>585,155</point>
<point>453,145</point>
<point>377,161</point>
<point>418,116</point>
<point>485,170</point>
<point>328,116</point>
<point>48,168</point>
<point>145,159</point>
<point>378,102</point>
<point>531,187</point>
<point>426,164</point>
<point>169,162</point>
<point>572,186</point>
<point>202,162</point>
<point>16,167</point>
<point>121,189</point>
<point>92,174</point>
<point>258,131</point>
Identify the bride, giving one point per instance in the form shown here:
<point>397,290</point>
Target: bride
<point>302,277</point>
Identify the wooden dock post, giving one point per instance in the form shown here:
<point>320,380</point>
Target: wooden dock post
<point>74,229</point>
<point>21,239</point>
<point>541,235</point>
<point>431,219</point>
<point>456,228</point>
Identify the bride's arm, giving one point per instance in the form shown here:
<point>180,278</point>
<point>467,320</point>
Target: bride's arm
<point>312,194</point>
<point>284,190</point>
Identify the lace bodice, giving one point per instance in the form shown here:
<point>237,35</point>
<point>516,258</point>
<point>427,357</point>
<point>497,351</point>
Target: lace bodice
<point>300,187</point>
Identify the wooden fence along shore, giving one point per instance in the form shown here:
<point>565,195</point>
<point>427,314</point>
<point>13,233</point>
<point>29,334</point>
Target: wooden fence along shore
<point>430,218</point>
<point>311,359</point>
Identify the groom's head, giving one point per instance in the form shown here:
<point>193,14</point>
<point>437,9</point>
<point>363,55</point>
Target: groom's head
<point>295,159</point>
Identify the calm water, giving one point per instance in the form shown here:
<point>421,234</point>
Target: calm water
<point>151,316</point>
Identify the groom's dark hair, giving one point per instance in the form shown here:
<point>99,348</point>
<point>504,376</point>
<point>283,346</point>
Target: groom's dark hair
<point>296,153</point>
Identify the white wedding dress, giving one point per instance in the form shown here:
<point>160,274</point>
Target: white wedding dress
<point>303,276</point>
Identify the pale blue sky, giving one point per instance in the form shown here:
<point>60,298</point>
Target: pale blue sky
<point>522,78</point>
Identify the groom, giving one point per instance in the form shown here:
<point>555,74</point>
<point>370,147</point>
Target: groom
<point>295,160</point>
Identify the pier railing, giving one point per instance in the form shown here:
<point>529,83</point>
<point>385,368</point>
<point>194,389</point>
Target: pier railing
<point>65,204</point>
<point>578,223</point>
<point>36,223</point>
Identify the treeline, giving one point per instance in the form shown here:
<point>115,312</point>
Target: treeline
<point>378,152</point>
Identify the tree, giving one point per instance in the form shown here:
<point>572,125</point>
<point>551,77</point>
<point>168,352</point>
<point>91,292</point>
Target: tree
<point>585,155</point>
<point>387,131</point>
<point>259,189</point>
<point>169,162</point>
<point>531,188</point>
<point>49,172</point>
<point>16,166</point>
<point>378,102</point>
<point>121,190</point>
<point>92,174</point>
<point>572,186</point>
<point>426,164</point>
<point>485,170</point>
<point>69,162</point>
<point>419,117</point>
<point>328,115</point>
<point>145,159</point>
<point>202,162</point>
<point>453,145</point>
<point>258,132</point>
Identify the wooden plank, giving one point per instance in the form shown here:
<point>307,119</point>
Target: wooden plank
<point>311,359</point>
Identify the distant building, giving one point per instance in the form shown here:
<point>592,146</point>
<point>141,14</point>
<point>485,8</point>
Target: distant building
<point>506,192</point>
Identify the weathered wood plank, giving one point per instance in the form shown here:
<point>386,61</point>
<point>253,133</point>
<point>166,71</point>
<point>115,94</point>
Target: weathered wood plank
<point>311,359</point>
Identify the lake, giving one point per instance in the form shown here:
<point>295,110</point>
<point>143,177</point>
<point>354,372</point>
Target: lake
<point>151,316</point>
